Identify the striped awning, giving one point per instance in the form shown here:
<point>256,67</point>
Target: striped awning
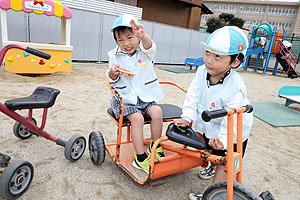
<point>47,7</point>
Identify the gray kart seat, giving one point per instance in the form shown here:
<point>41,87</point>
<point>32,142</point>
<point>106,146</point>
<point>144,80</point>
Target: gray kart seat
<point>169,112</point>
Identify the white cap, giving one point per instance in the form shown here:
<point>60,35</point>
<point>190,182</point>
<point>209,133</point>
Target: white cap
<point>124,20</point>
<point>228,40</point>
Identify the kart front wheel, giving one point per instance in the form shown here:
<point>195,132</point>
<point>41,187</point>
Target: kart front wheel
<point>16,179</point>
<point>75,147</point>
<point>96,147</point>
<point>218,191</point>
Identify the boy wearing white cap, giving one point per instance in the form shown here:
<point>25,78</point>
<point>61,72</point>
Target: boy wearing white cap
<point>216,86</point>
<point>135,52</point>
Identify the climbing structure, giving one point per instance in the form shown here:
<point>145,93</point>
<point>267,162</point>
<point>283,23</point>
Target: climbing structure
<point>274,44</point>
<point>284,54</point>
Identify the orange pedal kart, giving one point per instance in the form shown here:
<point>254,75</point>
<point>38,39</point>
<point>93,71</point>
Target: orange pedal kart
<point>179,155</point>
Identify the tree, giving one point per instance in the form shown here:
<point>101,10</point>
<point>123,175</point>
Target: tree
<point>213,24</point>
<point>224,19</point>
<point>226,16</point>
<point>236,22</point>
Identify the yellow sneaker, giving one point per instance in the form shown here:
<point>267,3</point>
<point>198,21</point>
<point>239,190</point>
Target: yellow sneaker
<point>144,165</point>
<point>159,151</point>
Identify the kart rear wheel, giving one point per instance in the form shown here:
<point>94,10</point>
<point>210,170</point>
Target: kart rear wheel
<point>21,131</point>
<point>218,191</point>
<point>75,147</point>
<point>96,147</point>
<point>16,179</point>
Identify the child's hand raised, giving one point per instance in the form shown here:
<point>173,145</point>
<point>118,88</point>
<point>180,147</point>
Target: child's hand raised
<point>138,29</point>
<point>216,143</point>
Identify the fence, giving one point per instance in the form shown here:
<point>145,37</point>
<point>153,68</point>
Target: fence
<point>91,37</point>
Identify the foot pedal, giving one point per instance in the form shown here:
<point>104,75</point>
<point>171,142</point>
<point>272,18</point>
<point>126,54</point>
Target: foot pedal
<point>266,195</point>
<point>4,160</point>
<point>186,136</point>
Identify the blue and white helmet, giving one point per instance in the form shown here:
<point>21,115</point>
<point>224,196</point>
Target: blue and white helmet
<point>228,40</point>
<point>123,20</point>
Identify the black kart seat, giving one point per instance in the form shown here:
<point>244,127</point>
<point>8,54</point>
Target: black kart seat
<point>42,97</point>
<point>169,112</point>
<point>186,136</point>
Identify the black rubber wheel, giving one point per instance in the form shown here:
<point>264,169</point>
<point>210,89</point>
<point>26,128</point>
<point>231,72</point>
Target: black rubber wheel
<point>75,147</point>
<point>96,147</point>
<point>21,131</point>
<point>218,191</point>
<point>16,179</point>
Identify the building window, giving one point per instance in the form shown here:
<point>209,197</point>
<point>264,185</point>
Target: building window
<point>225,8</point>
<point>204,18</point>
<point>216,7</point>
<point>285,25</point>
<point>282,11</point>
<point>252,10</point>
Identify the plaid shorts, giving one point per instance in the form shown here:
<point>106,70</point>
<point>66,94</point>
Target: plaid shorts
<point>129,109</point>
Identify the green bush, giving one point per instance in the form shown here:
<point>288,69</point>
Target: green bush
<point>226,16</point>
<point>236,22</point>
<point>224,19</point>
<point>213,24</point>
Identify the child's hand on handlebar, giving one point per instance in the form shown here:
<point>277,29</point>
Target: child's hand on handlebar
<point>216,143</point>
<point>181,122</point>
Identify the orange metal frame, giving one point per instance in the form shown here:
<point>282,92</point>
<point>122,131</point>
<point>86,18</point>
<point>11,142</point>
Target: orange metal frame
<point>178,157</point>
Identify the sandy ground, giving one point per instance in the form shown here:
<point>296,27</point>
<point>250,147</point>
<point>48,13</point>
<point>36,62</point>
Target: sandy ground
<point>271,161</point>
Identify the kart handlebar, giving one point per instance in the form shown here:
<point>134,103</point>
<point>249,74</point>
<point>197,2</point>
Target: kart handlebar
<point>209,115</point>
<point>24,48</point>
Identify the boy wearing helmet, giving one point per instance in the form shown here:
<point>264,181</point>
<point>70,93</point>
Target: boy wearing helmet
<point>216,86</point>
<point>135,52</point>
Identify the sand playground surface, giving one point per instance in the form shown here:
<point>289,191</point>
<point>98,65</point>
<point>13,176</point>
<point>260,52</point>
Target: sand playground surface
<point>271,162</point>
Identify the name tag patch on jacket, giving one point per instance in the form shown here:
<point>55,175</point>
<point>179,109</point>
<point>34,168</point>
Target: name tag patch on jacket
<point>142,64</point>
<point>212,106</point>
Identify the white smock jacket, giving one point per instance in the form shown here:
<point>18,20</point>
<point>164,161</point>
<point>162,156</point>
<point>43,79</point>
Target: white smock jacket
<point>144,84</point>
<point>230,92</point>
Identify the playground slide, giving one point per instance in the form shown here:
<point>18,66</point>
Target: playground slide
<point>285,65</point>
